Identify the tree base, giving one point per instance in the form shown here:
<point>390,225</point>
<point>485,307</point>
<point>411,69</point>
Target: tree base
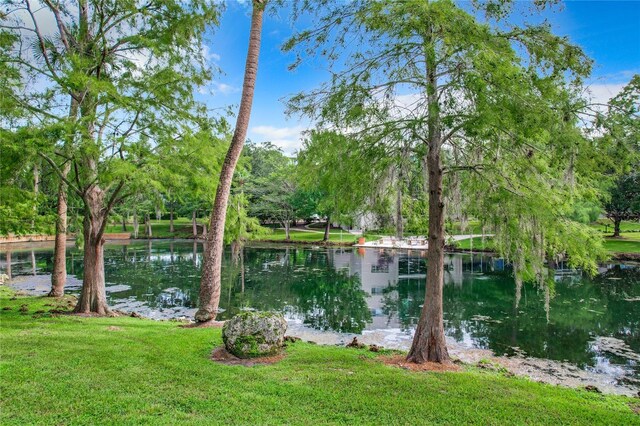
<point>203,316</point>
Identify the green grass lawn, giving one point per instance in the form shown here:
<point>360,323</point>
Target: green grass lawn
<point>129,371</point>
<point>160,228</point>
<point>477,244</point>
<point>626,226</point>
<point>622,246</point>
<point>303,236</point>
<point>613,245</point>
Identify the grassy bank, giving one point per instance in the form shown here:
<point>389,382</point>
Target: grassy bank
<point>614,245</point>
<point>73,370</point>
<point>629,241</point>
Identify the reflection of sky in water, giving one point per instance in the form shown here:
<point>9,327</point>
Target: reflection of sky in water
<point>375,291</point>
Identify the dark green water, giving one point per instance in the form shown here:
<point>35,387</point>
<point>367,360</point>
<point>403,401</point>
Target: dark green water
<point>345,291</point>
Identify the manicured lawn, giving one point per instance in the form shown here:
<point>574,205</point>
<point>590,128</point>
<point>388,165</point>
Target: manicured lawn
<point>626,227</point>
<point>128,371</point>
<point>477,244</point>
<point>335,236</point>
<point>622,245</point>
<point>614,245</point>
<point>160,228</point>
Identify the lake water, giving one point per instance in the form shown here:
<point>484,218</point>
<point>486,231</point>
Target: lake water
<point>593,323</point>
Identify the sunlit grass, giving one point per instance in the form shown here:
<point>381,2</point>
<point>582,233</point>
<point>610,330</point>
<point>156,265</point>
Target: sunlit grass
<point>128,371</point>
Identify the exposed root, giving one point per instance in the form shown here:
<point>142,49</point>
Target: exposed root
<point>401,362</point>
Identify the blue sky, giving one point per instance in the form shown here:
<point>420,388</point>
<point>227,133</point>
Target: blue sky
<point>608,31</point>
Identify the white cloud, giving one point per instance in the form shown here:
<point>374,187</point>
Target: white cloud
<point>209,55</point>
<point>289,139</point>
<point>601,93</point>
<point>225,89</point>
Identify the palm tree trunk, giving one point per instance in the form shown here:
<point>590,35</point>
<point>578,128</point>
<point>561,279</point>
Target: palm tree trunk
<point>211,268</point>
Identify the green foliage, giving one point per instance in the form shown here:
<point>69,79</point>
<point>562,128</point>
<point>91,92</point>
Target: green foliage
<point>499,98</point>
<point>624,203</point>
<point>118,87</point>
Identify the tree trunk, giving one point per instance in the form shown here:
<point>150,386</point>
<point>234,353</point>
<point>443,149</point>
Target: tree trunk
<point>147,226</point>
<point>33,263</point>
<point>287,233</point>
<point>211,268</point>
<point>429,343</point>
<point>8,257</point>
<point>327,229</point>
<point>616,227</point>
<point>194,224</point>
<point>204,230</point>
<point>399,224</point>
<point>136,225</point>
<point>171,228</point>
<point>36,190</point>
<point>124,223</point>
<point>59,274</point>
<point>93,297</point>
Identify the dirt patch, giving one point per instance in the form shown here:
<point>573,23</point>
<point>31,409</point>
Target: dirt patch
<point>114,328</point>
<point>401,362</point>
<point>222,356</point>
<point>207,324</point>
<point>635,407</point>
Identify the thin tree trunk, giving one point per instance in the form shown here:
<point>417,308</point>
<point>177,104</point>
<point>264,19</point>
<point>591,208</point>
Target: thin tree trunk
<point>136,225</point>
<point>36,190</point>
<point>124,222</point>
<point>8,257</point>
<point>59,274</point>
<point>204,230</point>
<point>327,229</point>
<point>147,226</point>
<point>194,224</point>
<point>211,268</point>
<point>171,228</point>
<point>287,233</point>
<point>399,224</point>
<point>242,269</point>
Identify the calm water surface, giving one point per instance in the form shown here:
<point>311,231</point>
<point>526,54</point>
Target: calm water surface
<point>591,322</point>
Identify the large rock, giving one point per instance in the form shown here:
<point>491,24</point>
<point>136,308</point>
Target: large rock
<point>253,334</point>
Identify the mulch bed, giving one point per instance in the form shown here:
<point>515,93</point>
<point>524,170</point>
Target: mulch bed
<point>401,362</point>
<point>222,356</point>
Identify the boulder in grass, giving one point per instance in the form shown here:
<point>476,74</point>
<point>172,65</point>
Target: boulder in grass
<point>254,334</point>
